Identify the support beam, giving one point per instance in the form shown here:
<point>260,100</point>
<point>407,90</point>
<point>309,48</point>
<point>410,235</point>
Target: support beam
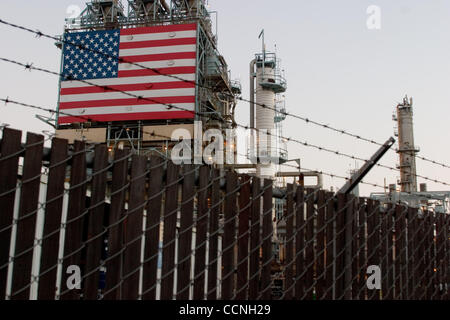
<point>361,173</point>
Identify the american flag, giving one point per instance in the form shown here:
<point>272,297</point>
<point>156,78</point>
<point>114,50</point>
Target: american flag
<point>107,60</point>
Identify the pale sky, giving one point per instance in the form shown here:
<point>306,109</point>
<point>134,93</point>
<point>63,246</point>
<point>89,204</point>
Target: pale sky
<point>338,71</point>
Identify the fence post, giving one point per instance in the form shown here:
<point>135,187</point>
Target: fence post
<point>9,164</point>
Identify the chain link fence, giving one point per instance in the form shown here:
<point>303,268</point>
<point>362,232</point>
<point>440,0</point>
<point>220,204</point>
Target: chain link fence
<point>81,222</point>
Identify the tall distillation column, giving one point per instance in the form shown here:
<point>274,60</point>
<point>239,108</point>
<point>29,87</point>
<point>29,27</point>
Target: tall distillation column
<point>264,118</point>
<point>406,149</point>
<point>269,83</point>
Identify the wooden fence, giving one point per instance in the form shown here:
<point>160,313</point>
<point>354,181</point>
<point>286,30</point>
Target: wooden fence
<point>145,228</point>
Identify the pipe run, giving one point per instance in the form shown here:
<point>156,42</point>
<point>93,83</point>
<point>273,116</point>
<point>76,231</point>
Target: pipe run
<point>316,174</point>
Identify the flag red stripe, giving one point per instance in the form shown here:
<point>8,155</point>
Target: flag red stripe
<point>126,102</point>
<point>156,72</point>
<point>130,87</point>
<point>159,57</point>
<point>130,116</point>
<point>158,29</point>
<point>157,43</point>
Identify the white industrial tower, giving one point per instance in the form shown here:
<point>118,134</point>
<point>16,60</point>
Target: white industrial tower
<point>406,149</point>
<point>267,113</point>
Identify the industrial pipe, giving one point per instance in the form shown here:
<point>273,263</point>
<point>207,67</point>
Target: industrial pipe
<point>305,174</point>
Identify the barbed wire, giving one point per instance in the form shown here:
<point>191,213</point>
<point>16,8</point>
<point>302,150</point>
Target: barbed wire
<point>30,66</point>
<point>137,208</point>
<point>288,139</point>
<point>40,34</point>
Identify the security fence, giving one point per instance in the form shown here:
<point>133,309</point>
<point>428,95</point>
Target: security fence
<point>84,222</point>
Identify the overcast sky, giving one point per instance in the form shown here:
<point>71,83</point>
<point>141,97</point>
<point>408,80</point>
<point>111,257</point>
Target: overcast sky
<point>338,71</point>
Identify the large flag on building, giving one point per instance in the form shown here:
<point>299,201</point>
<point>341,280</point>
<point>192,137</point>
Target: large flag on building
<point>129,74</point>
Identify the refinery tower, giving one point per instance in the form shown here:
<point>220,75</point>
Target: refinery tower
<point>130,79</point>
<point>267,112</point>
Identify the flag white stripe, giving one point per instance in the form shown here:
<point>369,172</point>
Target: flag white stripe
<point>158,64</point>
<point>158,36</point>
<point>122,95</point>
<point>127,109</point>
<point>123,53</point>
<point>132,80</point>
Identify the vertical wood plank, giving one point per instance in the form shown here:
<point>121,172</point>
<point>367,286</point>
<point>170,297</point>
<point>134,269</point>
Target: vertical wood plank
<point>300,243</point>
<point>440,249</point>
<point>243,237</point>
<point>434,259</point>
<point>52,222</point>
<point>213,235</point>
<point>152,228</point>
<point>202,228</point>
<point>403,254</point>
<point>390,248</point>
<point>373,240</point>
<point>26,226</point>
<point>428,254</point>
<point>310,257</point>
<point>170,225</point>
<point>228,256</point>
<point>411,230</point>
<point>348,226</point>
<point>76,209</point>
<point>185,238</point>
<point>330,240</point>
<point>418,260</point>
<point>9,164</point>
<point>384,255</point>
<point>447,255</point>
<point>396,261</point>
<point>362,237</point>
<point>400,253</point>
<point>255,239</point>
<point>267,254</point>
<point>115,229</point>
<point>133,229</point>
<point>340,246</point>
<point>354,282</point>
<point>421,258</point>
<point>289,218</point>
<point>94,242</point>
<point>321,230</point>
